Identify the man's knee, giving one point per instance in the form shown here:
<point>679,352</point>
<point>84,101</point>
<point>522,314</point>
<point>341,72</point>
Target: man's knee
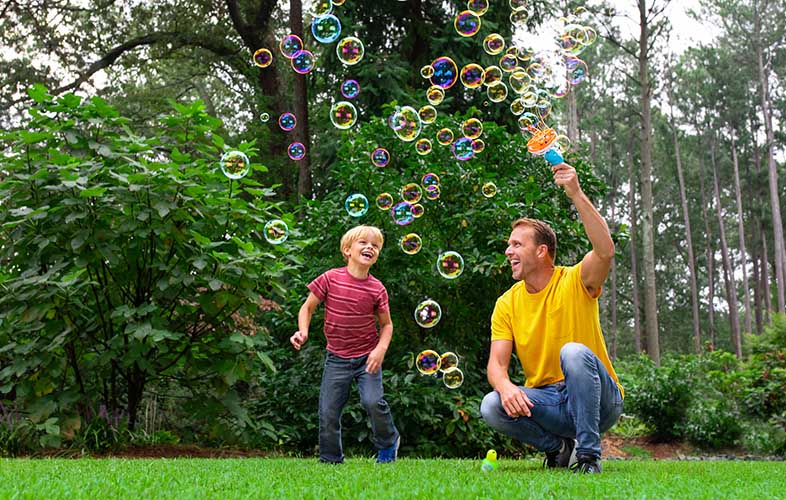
<point>490,406</point>
<point>574,352</point>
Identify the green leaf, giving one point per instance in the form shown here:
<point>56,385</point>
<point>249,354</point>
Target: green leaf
<point>38,93</point>
<point>90,192</point>
<point>265,359</point>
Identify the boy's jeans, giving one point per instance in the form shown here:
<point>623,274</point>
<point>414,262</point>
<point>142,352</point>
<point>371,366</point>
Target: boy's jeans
<point>587,403</point>
<point>337,378</point>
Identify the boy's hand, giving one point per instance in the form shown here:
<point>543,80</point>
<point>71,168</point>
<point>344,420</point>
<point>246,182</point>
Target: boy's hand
<point>374,361</point>
<point>298,339</point>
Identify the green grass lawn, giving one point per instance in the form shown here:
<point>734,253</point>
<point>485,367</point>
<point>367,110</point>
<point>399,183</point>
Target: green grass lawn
<point>361,478</point>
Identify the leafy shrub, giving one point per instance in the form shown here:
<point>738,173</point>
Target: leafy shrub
<point>660,397</point>
<point>713,423</point>
<point>766,438</point>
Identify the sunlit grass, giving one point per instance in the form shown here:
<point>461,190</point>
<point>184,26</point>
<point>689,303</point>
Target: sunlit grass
<point>361,478</point>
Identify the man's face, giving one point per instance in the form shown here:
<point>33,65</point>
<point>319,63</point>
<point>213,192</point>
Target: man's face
<point>522,252</point>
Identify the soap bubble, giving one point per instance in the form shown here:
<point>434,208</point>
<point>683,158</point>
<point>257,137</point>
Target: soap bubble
<point>479,7</point>
<point>447,361</point>
<point>276,231</point>
<point>467,23</point>
<point>472,75</point>
<point>427,315</point>
<point>577,70</point>
<point>326,28</point>
<point>411,193</point>
<point>518,5</point>
<point>411,244</point>
<point>406,123</point>
<point>235,164</point>
<point>445,136</point>
<point>435,95</point>
<point>263,58</point>
<point>450,265</point>
<point>350,50</point>
<point>508,63</point>
<point>462,149</point>
<point>478,146</point>
<point>472,128</point>
<point>497,92</point>
<point>264,117</point>
<point>356,205</point>
<point>428,114</point>
<point>296,151</point>
<point>519,18</point>
<point>287,121</point>
<point>290,45</point>
<point>427,71</point>
<point>402,213</point>
<point>445,73</point>
<point>493,44</point>
<point>427,362</point>
<point>343,115</point>
<point>429,180</point>
<point>563,143</point>
<point>350,89</point>
<point>418,210</point>
<point>453,378</point>
<point>380,157</point>
<point>423,146</point>
<point>303,62</point>
<point>432,193</point>
<point>519,81</point>
<point>489,189</point>
<point>384,201</point>
<point>517,106</point>
<point>492,75</point>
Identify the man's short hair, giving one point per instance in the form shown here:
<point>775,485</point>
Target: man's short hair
<point>544,235</point>
<point>359,232</point>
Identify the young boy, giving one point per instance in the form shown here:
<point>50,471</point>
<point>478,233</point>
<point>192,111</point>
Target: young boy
<point>354,302</point>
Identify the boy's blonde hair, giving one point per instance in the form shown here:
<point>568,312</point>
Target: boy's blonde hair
<point>359,232</point>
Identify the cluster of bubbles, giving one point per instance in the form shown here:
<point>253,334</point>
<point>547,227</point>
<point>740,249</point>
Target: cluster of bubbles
<point>430,362</point>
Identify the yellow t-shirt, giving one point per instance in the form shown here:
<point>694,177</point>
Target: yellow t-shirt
<point>541,323</point>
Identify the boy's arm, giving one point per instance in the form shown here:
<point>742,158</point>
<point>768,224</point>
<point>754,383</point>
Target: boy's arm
<point>375,358</point>
<point>304,320</point>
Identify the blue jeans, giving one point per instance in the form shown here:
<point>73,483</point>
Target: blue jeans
<point>337,378</point>
<point>587,403</point>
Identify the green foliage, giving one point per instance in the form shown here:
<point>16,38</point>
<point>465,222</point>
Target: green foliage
<point>127,260</point>
<point>713,423</point>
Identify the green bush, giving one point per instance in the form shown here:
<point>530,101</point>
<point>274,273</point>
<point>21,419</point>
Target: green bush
<point>713,423</point>
<point>765,438</point>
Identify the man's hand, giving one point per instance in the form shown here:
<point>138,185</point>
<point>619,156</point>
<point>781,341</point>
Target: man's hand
<point>515,401</point>
<point>566,177</point>
<point>298,339</point>
<point>374,361</point>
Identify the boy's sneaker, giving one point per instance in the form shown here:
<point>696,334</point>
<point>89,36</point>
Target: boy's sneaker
<point>564,457</point>
<point>389,454</point>
<point>587,465</point>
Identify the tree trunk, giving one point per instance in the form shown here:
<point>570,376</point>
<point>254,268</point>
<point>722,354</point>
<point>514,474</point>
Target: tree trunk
<point>741,231</point>
<point>645,176</point>
<point>694,289</point>
<point>765,267</point>
<point>758,290</point>
<point>728,275</point>
<point>772,168</point>
<point>304,184</point>
<point>634,275</point>
<point>710,264</point>
<point>573,117</point>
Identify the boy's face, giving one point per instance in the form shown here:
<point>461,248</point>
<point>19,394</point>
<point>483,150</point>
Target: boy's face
<point>363,251</point>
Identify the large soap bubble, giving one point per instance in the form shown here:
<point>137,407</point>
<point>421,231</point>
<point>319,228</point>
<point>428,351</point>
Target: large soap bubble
<point>411,193</point>
<point>235,164</point>
<point>343,115</point>
<point>411,244</point>
<point>350,50</point>
<point>380,157</point>
<point>462,149</point>
<point>356,205</point>
<point>350,89</point>
<point>303,62</point>
<point>489,189</point>
<point>326,29</point>
<point>296,151</point>
<point>287,121</point>
<point>402,213</point>
<point>276,231</point>
<point>263,58</point>
<point>494,44</point>
<point>406,123</point>
<point>450,265</point>
<point>428,313</point>
<point>445,73</point>
<point>453,378</point>
<point>448,360</point>
<point>467,23</point>
<point>427,362</point>
<point>290,45</point>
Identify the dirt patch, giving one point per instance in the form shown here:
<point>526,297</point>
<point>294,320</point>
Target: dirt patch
<point>618,447</point>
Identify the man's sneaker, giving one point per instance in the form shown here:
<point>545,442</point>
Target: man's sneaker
<point>587,465</point>
<point>389,454</point>
<point>564,457</point>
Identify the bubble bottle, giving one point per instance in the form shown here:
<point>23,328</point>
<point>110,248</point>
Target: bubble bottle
<point>544,143</point>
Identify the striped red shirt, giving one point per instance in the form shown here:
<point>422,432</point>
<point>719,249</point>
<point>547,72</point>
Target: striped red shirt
<point>351,306</point>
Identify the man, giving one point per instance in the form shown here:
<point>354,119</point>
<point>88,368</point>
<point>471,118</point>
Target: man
<point>551,317</point>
